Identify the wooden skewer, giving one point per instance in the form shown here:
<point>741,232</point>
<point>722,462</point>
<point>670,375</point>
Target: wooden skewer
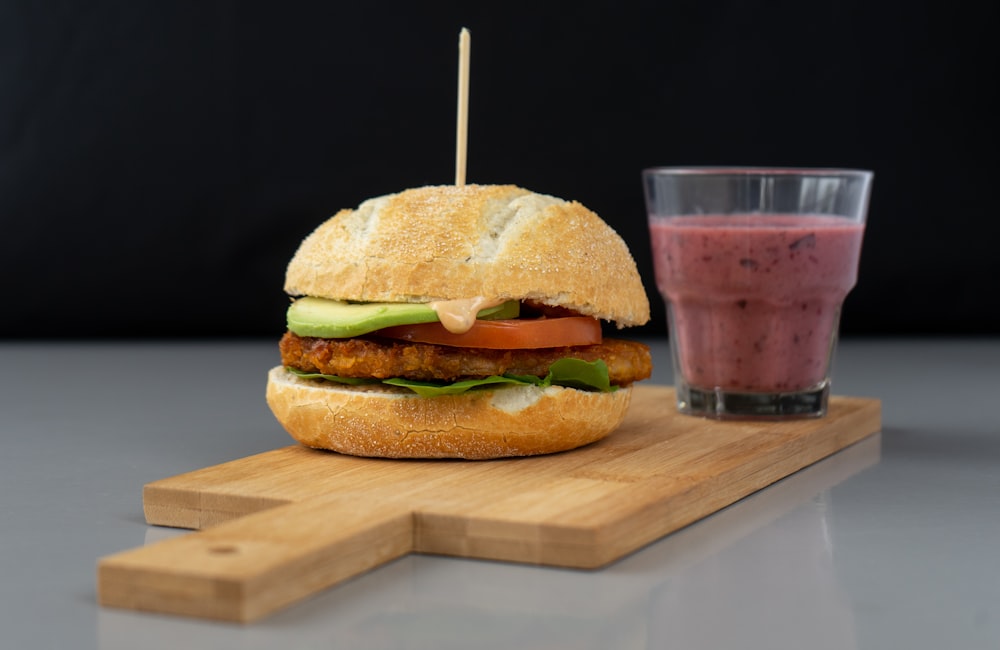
<point>462,135</point>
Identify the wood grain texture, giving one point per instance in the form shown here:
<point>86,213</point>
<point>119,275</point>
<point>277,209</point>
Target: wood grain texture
<point>282,525</point>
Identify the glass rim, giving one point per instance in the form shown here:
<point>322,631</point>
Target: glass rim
<point>736,170</point>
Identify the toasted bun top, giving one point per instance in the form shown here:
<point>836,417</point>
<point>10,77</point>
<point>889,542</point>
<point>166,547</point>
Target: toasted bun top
<point>452,242</point>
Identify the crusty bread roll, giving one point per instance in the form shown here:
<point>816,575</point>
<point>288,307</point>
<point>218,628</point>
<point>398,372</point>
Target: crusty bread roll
<point>453,243</point>
<point>390,422</point>
<point>448,242</point>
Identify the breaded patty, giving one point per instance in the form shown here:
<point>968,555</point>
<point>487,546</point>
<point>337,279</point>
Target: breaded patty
<point>627,361</point>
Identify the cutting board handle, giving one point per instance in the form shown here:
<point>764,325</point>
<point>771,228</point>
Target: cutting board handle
<point>249,567</point>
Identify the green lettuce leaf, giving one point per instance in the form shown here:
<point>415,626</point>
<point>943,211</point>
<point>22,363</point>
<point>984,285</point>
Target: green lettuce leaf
<point>577,373</point>
<point>353,381</point>
<point>435,389</point>
<point>570,373</point>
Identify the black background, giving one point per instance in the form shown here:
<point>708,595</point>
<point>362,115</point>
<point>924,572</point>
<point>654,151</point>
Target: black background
<point>160,161</point>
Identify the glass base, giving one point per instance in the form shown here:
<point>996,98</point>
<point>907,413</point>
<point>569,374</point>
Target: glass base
<point>721,404</point>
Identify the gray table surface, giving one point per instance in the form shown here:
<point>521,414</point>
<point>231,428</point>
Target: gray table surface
<point>892,543</point>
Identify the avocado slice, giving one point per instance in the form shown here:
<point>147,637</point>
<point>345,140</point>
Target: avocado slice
<point>337,319</point>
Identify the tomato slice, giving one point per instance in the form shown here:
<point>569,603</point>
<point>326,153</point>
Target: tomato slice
<point>513,334</point>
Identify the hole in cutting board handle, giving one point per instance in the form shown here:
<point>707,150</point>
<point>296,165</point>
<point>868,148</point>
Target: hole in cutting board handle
<point>223,549</point>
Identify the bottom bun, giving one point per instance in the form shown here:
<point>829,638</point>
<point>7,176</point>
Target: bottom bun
<point>388,422</point>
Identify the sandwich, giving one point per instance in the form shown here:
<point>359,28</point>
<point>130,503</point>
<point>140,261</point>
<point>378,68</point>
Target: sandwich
<point>461,321</point>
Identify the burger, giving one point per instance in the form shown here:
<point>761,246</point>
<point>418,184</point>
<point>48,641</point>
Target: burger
<point>459,322</point>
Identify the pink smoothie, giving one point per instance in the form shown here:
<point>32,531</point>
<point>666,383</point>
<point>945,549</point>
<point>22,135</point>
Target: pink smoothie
<point>755,299</point>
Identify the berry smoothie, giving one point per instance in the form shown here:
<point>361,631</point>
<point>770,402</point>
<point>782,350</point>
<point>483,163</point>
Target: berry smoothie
<point>755,299</point>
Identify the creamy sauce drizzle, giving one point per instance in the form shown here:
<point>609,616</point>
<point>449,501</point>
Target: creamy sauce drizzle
<point>458,316</point>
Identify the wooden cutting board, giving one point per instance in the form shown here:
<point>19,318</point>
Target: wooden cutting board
<point>282,525</point>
